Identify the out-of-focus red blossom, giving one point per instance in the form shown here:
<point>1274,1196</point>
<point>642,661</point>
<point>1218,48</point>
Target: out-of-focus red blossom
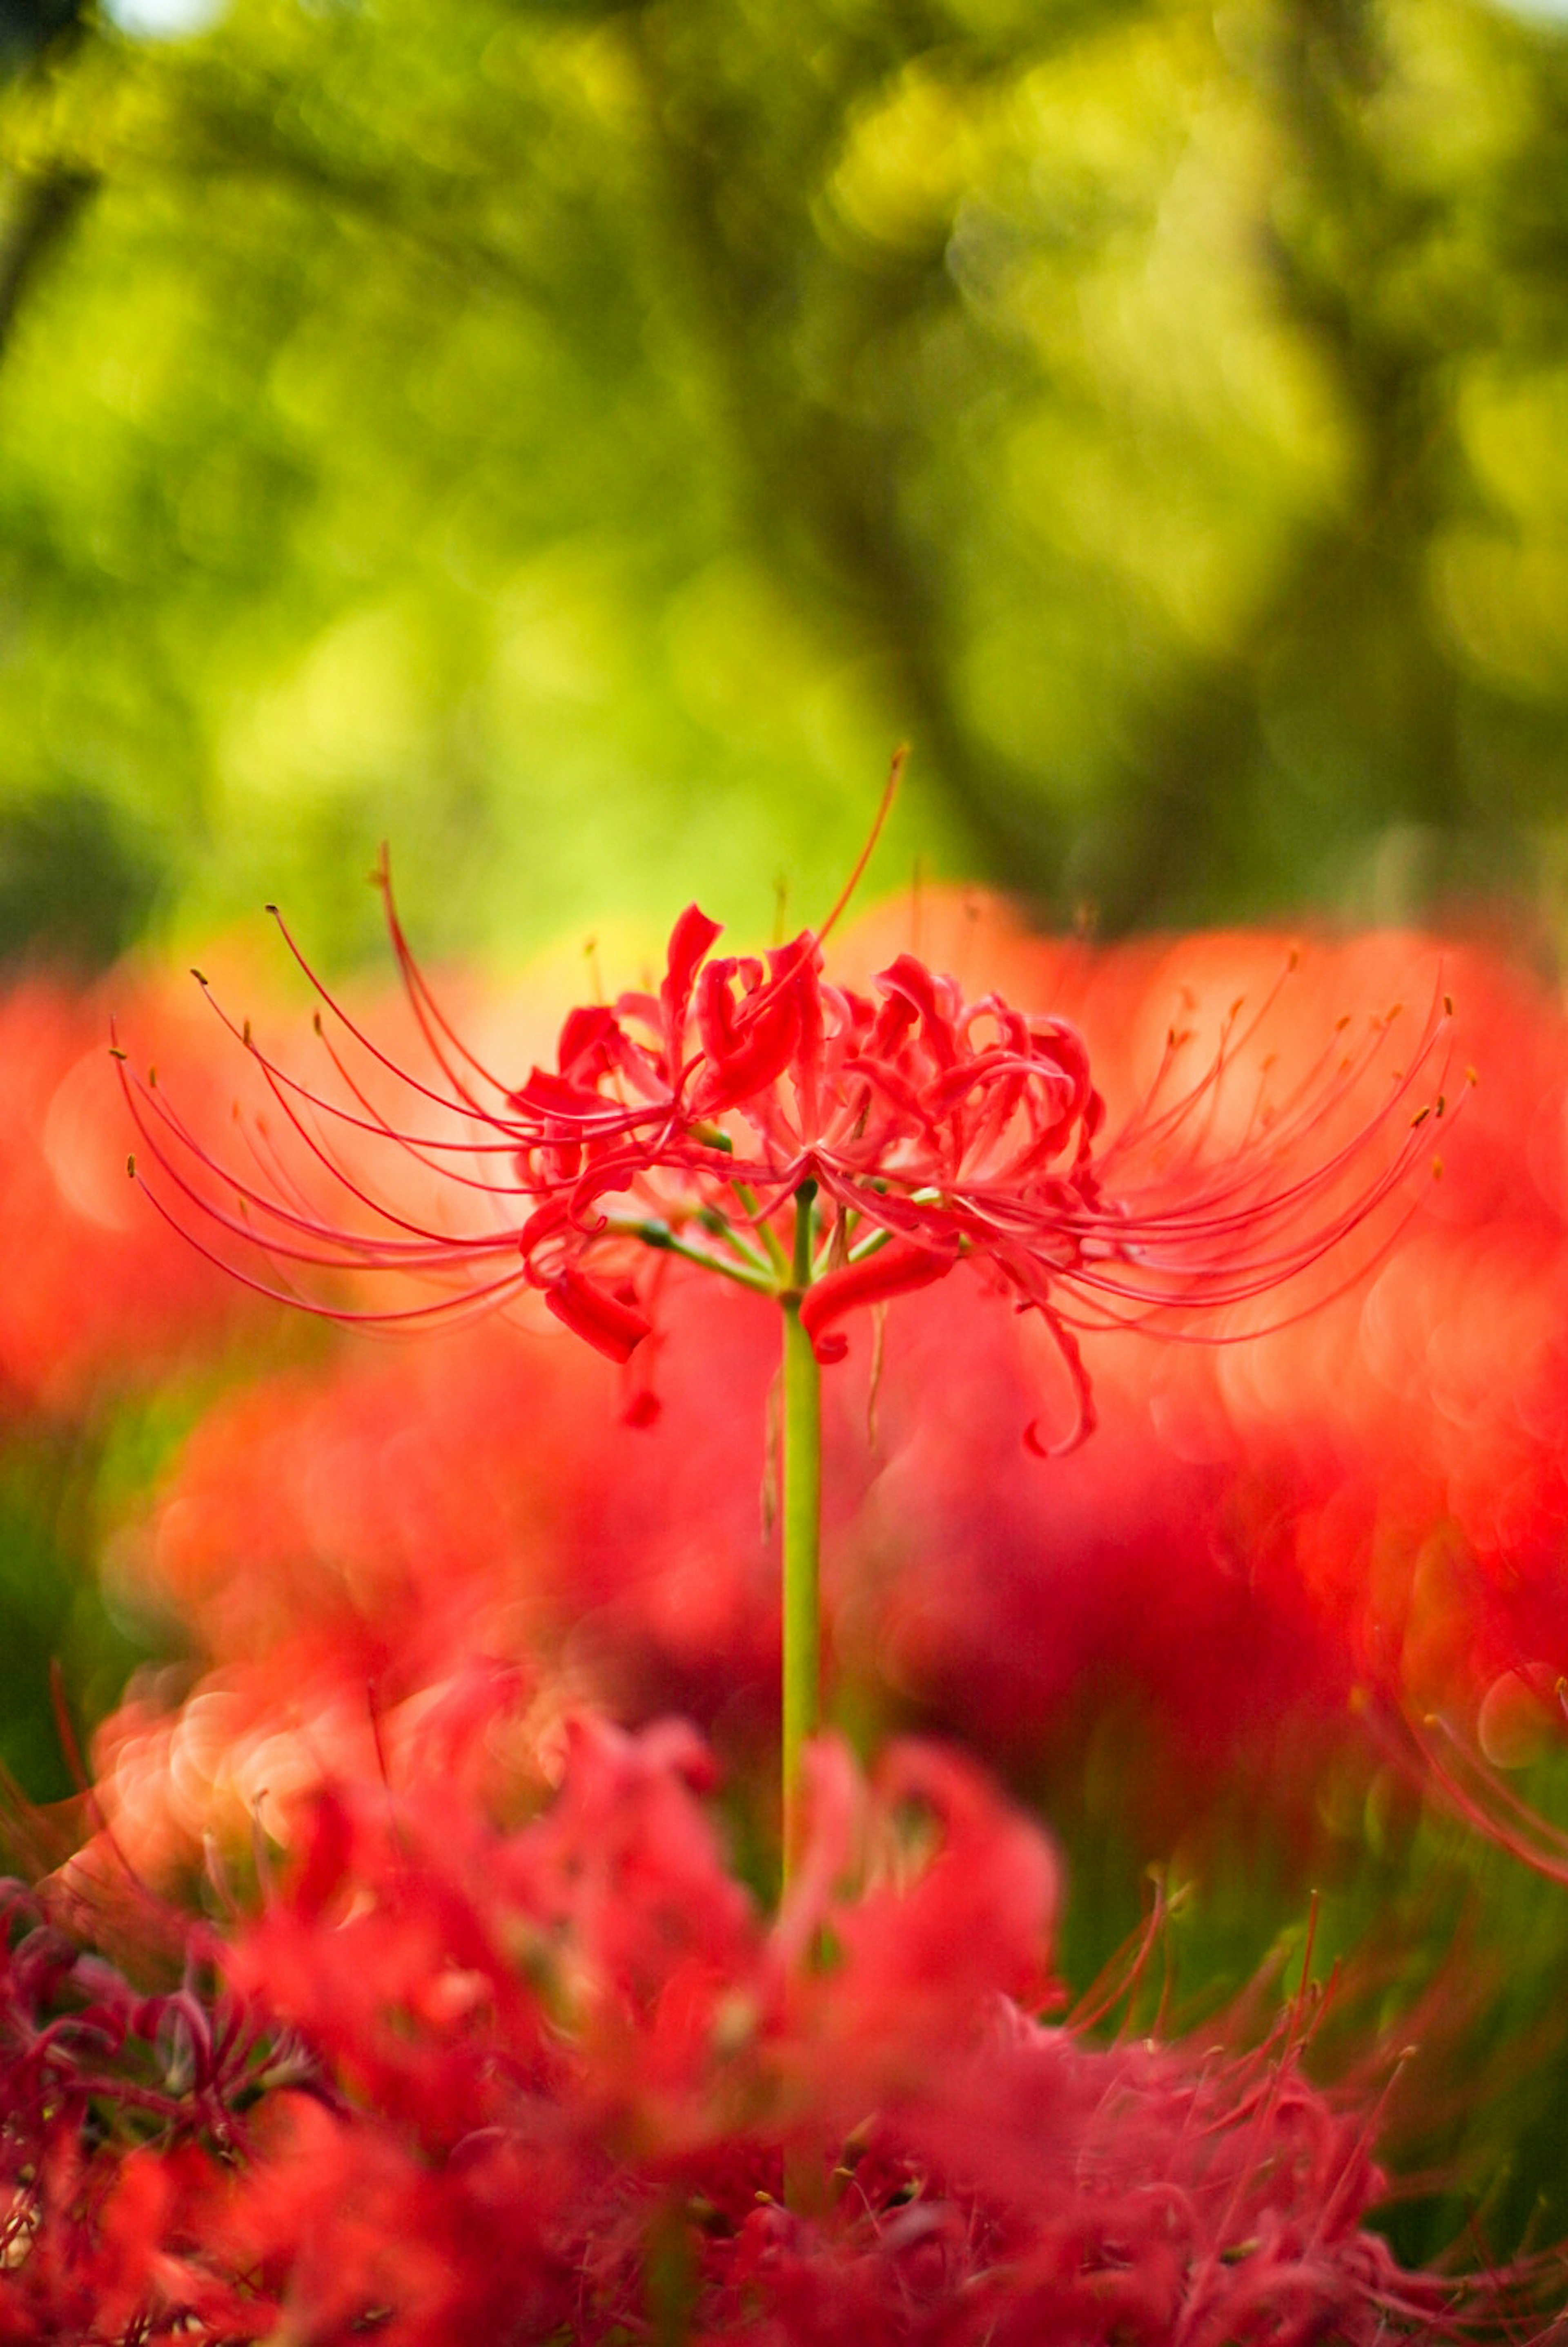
<point>930,1127</point>
<point>123,2117</point>
<point>254,1740</point>
<point>91,1295</point>
<point>340,1544</point>
<point>343,1544</point>
<point>1372,1498</point>
<point>543,2083</point>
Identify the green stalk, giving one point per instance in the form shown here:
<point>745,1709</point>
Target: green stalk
<point>663,1240</point>
<point>801,1512</point>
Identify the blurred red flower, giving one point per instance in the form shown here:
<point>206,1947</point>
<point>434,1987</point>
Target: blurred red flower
<point>1369,1500</point>
<point>460,2083</point>
<point>92,1298</point>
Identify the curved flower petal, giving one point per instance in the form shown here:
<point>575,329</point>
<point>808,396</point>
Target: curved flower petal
<point>894,1270</point>
<point>613,1327</point>
<point>1087,1417</point>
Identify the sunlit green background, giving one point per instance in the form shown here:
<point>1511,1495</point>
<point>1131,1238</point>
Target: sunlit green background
<point>576,442</point>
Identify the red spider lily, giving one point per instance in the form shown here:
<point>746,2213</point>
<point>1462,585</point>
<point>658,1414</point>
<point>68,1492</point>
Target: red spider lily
<point>929,1129</point>
<point>124,2112</point>
<point>553,2076</point>
<point>1371,1498</point>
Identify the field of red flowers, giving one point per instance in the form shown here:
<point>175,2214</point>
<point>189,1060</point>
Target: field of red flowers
<point>1175,1902</point>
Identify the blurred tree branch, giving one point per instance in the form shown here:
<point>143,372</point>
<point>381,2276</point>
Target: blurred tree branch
<point>39,214</point>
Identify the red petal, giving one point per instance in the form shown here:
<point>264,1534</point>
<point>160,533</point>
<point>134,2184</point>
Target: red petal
<point>1087,1417</point>
<point>551,1095</point>
<point>932,997</point>
<point>601,1319</point>
<point>894,1270</point>
<point>546,1222</point>
<point>689,940</point>
<point>749,1046</point>
<point>584,1036</point>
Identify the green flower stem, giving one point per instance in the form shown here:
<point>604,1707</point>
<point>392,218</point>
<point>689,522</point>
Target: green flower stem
<point>801,1514</point>
<point>765,1231</point>
<point>663,1240</point>
<point>711,1221</point>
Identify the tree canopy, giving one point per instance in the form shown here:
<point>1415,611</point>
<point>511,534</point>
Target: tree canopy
<point>577,441</point>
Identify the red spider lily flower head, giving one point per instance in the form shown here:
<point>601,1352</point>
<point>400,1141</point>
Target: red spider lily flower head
<point>923,1127</point>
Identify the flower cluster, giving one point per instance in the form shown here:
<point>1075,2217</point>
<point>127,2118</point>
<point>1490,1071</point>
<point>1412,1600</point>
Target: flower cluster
<point>692,1119</point>
<point>547,2083</point>
<point>125,2113</point>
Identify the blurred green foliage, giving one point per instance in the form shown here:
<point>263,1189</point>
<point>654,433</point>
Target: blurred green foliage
<point>577,441</point>
<point>56,1488</point>
<point>1434,1955</point>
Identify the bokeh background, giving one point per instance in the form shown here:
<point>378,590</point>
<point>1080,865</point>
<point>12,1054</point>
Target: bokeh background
<point>576,443</point>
